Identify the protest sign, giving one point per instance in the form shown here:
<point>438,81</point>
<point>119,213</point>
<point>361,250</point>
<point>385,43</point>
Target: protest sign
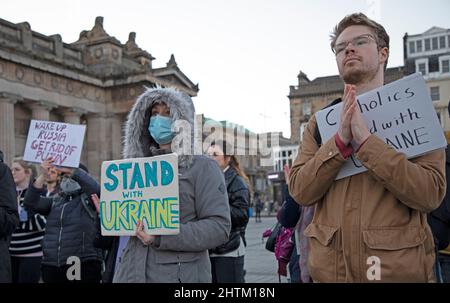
<point>140,189</point>
<point>400,113</point>
<point>61,141</point>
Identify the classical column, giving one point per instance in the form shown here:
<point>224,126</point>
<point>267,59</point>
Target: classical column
<point>41,110</point>
<point>72,115</point>
<point>99,143</point>
<point>7,134</point>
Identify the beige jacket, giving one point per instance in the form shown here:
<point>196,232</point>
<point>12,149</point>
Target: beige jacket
<point>380,213</point>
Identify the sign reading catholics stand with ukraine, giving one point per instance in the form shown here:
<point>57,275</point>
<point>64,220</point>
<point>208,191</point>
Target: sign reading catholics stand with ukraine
<point>144,189</point>
<point>401,113</point>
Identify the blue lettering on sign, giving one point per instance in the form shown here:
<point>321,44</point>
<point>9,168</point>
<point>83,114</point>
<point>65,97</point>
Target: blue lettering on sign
<point>109,174</point>
<point>136,177</point>
<point>142,175</point>
<point>166,173</point>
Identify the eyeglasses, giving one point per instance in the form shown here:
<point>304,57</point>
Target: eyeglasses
<point>357,42</point>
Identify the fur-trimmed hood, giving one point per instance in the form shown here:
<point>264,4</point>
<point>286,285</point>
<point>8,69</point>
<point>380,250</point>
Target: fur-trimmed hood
<point>138,142</point>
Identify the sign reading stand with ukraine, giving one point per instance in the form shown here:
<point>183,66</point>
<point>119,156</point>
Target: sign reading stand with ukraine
<point>141,189</point>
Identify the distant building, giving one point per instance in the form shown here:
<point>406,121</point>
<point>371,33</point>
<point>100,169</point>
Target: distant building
<point>429,54</point>
<point>92,81</point>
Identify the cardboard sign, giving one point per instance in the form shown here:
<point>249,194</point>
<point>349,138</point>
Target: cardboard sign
<point>400,113</point>
<point>61,141</point>
<point>141,189</point>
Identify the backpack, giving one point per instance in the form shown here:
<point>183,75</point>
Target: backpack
<point>283,249</point>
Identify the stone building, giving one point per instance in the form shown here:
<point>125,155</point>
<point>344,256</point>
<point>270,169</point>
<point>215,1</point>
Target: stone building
<point>92,81</point>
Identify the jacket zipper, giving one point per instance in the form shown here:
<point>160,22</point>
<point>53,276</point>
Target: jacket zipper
<point>60,232</point>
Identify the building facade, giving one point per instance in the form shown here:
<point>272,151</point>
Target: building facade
<point>429,54</point>
<point>93,81</point>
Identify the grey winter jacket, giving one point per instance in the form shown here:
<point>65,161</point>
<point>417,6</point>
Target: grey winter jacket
<point>204,210</point>
<point>9,219</point>
<point>71,227</point>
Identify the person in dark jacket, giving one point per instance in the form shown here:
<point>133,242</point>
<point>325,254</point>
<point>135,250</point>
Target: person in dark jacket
<point>68,245</point>
<point>9,218</point>
<point>439,221</point>
<point>227,260</point>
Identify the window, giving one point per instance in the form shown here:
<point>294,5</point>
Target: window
<point>422,68</point>
<point>412,48</point>
<point>435,43</point>
<point>442,42</point>
<point>445,66</point>
<point>434,92</point>
<point>427,45</point>
<point>419,46</point>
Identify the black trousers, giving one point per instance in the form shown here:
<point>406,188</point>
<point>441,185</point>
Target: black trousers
<point>26,269</point>
<point>90,272</point>
<point>227,269</point>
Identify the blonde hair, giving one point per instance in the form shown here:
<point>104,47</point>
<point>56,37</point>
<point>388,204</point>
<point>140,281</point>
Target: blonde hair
<point>31,168</point>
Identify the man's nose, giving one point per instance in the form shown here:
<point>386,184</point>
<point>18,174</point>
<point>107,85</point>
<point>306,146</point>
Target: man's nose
<point>349,48</point>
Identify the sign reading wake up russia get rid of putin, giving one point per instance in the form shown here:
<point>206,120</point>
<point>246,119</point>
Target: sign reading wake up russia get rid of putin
<point>140,189</point>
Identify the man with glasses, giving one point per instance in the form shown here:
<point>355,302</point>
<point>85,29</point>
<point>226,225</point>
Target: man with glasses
<point>372,226</point>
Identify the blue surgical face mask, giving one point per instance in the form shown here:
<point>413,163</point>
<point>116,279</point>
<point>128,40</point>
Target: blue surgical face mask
<point>160,129</point>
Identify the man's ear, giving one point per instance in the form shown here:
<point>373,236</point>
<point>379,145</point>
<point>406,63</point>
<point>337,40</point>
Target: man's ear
<point>383,55</point>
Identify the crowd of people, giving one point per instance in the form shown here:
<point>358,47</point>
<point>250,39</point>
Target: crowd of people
<point>397,211</point>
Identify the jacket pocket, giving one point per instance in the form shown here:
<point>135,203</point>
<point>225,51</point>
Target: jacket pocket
<point>324,254</point>
<point>401,254</point>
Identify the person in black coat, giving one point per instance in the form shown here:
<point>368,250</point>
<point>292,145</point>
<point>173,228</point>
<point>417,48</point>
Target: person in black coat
<point>71,228</point>
<point>227,260</point>
<point>9,218</point>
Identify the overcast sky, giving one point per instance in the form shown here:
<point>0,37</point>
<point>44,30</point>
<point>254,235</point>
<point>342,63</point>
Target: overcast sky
<point>243,53</point>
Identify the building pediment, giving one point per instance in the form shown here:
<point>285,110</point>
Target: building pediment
<point>435,30</point>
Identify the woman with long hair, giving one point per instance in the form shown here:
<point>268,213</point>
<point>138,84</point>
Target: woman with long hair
<point>26,247</point>
<point>227,260</point>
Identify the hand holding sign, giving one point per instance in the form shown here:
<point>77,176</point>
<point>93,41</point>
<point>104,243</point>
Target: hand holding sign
<point>140,233</point>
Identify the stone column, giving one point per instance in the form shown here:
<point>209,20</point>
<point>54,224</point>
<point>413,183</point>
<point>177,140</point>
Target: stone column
<point>72,115</point>
<point>99,143</point>
<point>41,110</point>
<point>7,133</point>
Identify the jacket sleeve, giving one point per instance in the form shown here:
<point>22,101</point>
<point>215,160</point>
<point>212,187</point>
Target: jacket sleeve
<point>315,169</point>
<point>239,197</point>
<point>419,183</point>
<point>87,183</point>
<point>289,213</point>
<point>9,218</point>
<point>36,202</point>
<point>213,223</point>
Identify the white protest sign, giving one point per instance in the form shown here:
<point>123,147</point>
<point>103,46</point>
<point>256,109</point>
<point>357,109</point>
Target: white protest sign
<point>61,141</point>
<point>400,113</point>
<point>140,189</point>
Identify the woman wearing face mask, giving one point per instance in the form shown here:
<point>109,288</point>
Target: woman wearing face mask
<point>227,260</point>
<point>71,225</point>
<point>204,210</point>
<point>25,246</point>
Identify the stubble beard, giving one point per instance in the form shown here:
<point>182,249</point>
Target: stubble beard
<point>358,76</point>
